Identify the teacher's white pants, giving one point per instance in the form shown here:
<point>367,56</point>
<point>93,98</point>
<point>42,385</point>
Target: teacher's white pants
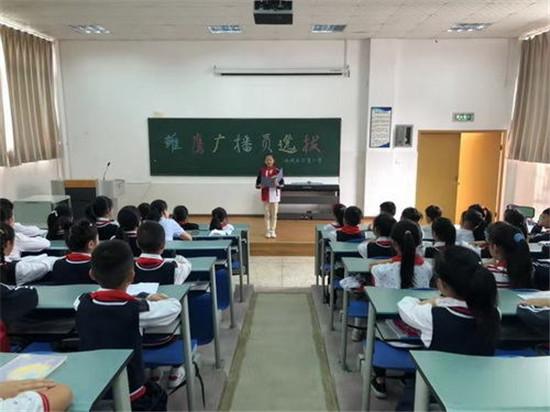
<point>270,215</point>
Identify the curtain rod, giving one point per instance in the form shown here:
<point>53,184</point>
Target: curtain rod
<point>536,32</point>
<point>13,25</point>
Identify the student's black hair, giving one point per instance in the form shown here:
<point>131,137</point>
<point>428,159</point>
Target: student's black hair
<point>128,219</point>
<point>219,214</point>
<point>180,214</point>
<point>407,236</point>
<point>383,224</point>
<point>433,212</point>
<point>353,216</point>
<point>159,206</point>
<point>7,234</point>
<point>112,263</point>
<point>511,241</point>
<point>338,211</point>
<point>59,220</point>
<point>546,211</point>
<point>388,207</point>
<point>485,212</point>
<point>144,210</point>
<point>515,218</point>
<point>100,207</point>
<point>461,270</point>
<point>444,231</point>
<point>79,234</point>
<point>411,213</point>
<point>269,154</point>
<point>477,222</point>
<point>150,237</point>
<point>6,210</point>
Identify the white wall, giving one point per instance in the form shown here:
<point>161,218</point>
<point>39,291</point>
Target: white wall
<point>28,179</point>
<point>425,82</point>
<point>527,184</point>
<point>112,87</point>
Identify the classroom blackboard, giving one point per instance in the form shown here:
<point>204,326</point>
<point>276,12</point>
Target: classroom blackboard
<point>236,147</point>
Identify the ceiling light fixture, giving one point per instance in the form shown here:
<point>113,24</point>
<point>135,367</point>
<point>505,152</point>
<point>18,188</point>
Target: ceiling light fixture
<point>328,28</point>
<point>89,29</point>
<point>225,29</point>
<point>468,27</point>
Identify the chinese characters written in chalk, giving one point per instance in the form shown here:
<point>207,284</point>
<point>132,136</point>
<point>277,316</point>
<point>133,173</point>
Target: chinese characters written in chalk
<point>293,147</point>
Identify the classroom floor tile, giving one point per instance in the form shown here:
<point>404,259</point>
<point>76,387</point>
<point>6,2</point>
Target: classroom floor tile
<point>272,272</point>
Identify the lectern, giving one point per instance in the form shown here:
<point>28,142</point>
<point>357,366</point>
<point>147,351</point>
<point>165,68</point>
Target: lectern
<point>83,192</point>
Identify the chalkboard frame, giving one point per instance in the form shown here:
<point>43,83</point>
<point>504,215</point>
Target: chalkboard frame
<point>159,132</point>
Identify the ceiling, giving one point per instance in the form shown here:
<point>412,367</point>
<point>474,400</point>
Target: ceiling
<point>188,19</point>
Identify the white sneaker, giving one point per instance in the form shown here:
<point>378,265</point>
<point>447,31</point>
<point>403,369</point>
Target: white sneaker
<point>176,377</point>
<point>268,234</point>
<point>273,234</point>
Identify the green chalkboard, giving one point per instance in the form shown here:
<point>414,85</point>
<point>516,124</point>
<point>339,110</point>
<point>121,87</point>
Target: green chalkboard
<point>236,147</point>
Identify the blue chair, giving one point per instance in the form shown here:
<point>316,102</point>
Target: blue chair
<point>200,318</point>
<point>38,347</point>
<point>512,353</point>
<point>388,357</point>
<point>222,288</point>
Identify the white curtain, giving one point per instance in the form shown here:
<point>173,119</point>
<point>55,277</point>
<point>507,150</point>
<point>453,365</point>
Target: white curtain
<point>530,129</point>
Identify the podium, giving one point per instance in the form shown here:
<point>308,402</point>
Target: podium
<point>83,192</point>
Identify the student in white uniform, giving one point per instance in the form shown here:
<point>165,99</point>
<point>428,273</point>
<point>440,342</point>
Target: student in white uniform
<point>219,224</point>
<point>271,196</point>
<point>433,213</point>
<point>172,230</point>
<point>27,230</point>
<point>23,243</point>
<point>34,395</point>
<point>444,235</point>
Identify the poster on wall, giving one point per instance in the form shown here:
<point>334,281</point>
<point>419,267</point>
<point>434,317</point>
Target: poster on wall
<point>380,127</point>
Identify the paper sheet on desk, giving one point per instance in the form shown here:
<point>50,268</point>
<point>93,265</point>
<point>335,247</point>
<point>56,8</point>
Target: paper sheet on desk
<point>535,295</point>
<point>147,287</point>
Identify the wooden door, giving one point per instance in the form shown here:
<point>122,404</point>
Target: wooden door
<point>437,171</point>
<point>480,170</point>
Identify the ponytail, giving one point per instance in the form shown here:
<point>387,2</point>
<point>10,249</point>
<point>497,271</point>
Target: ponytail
<point>7,234</point>
<point>100,207</point>
<point>519,265</point>
<point>219,214</point>
<point>444,231</point>
<point>128,219</point>
<point>461,270</point>
<point>79,235</point>
<point>407,236</point>
<point>338,211</point>
<point>59,220</point>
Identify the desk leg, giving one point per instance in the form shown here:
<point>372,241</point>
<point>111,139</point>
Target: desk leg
<point>247,257</point>
<point>241,293</point>
<point>188,356</point>
<point>331,292</point>
<point>322,266</point>
<point>367,363</point>
<point>121,391</point>
<point>421,394</point>
<point>231,303</point>
<point>344,331</point>
<point>215,321</point>
<point>316,262</point>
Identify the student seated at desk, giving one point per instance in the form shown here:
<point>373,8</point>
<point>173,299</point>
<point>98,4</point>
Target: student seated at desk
<point>74,268</point>
<point>23,243</point>
<point>338,212</point>
<point>444,235</point>
<point>511,265</point>
<point>99,212</point>
<point>464,319</point>
<point>144,210</point>
<point>541,231</point>
<point>219,224</point>
<point>516,219</point>
<point>27,230</point>
<point>34,395</point>
<point>59,220</point>
<point>535,312</point>
<point>350,232</point>
<point>20,271</point>
<point>112,319</point>
<point>381,247</point>
<point>477,219</point>
<point>181,215</point>
<point>172,230</point>
<point>388,207</point>
<point>433,213</point>
<point>150,266</point>
<point>129,219</point>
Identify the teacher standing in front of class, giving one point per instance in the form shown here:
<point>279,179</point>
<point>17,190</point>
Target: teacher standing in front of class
<point>270,181</point>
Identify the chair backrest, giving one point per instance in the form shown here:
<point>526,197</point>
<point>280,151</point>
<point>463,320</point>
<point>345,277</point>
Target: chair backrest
<point>526,211</point>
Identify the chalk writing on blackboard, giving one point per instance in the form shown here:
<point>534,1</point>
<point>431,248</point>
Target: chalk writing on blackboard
<point>217,141</point>
<point>266,142</point>
<point>311,144</point>
<point>198,144</point>
<point>172,143</point>
<point>242,143</point>
<point>286,145</point>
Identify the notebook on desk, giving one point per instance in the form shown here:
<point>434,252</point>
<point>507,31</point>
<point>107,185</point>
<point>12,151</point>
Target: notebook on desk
<point>30,366</point>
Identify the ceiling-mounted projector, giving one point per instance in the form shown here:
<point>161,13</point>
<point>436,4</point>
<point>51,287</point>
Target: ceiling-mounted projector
<point>273,11</point>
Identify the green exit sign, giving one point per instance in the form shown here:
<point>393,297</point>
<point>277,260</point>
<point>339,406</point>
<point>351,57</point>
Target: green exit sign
<point>463,117</point>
